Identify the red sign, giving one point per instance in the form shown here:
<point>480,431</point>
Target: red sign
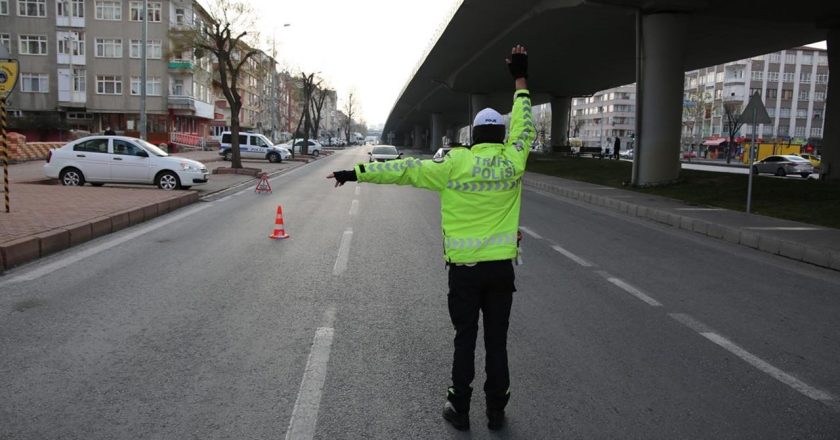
<point>218,116</point>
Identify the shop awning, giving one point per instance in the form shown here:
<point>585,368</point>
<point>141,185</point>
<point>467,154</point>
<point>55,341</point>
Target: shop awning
<point>714,142</point>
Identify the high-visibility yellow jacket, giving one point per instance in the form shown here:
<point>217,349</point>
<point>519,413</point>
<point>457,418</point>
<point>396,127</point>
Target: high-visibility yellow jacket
<point>480,189</point>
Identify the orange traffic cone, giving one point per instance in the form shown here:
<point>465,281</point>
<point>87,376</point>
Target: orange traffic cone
<point>279,229</point>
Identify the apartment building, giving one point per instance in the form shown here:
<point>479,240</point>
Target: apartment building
<point>596,120</point>
<point>80,63</point>
<point>792,83</point>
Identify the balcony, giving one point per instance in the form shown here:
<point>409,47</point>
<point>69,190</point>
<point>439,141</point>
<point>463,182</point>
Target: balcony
<point>198,108</point>
<point>181,66</point>
<point>65,21</point>
<point>71,98</point>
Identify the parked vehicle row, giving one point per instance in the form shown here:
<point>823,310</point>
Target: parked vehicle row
<point>253,146</point>
<point>119,159</point>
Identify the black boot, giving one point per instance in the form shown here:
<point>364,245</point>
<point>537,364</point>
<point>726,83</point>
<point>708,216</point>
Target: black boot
<point>495,419</point>
<point>456,411</point>
<point>460,421</point>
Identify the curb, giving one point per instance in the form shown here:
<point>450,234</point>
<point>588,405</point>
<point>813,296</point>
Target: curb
<point>26,249</point>
<point>755,240</point>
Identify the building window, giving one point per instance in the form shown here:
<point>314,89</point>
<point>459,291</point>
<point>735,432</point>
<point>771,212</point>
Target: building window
<point>32,44</point>
<point>79,80</point>
<point>772,93</point>
<point>799,131</point>
<point>822,79</point>
<point>153,11</point>
<point>805,77</point>
<point>787,94</point>
<point>787,76</point>
<point>801,113</point>
<point>152,85</point>
<point>32,8</point>
<point>771,112</point>
<point>784,112</point>
<point>718,93</point>
<point>819,96</point>
<point>4,7</point>
<point>772,76</point>
<point>783,130</point>
<point>807,57</point>
<point>6,40</point>
<point>109,48</point>
<point>154,49</point>
<point>178,87</point>
<point>816,132</point>
<point>35,83</point>
<point>804,95</point>
<point>76,8</point>
<point>71,44</point>
<point>180,17</point>
<point>790,58</point>
<point>108,10</point>
<point>757,75</point>
<point>822,60</point>
<point>775,57</point>
<point>108,85</point>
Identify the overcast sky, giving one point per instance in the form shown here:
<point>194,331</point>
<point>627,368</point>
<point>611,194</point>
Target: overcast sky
<point>368,46</point>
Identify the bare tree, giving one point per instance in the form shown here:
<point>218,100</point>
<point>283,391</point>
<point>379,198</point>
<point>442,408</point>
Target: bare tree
<point>732,123</point>
<point>309,85</point>
<point>318,99</point>
<point>349,112</point>
<point>221,37</point>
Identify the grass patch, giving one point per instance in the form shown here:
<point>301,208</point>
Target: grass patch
<point>802,200</point>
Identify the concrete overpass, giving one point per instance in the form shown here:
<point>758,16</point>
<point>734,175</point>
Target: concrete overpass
<point>579,47</point>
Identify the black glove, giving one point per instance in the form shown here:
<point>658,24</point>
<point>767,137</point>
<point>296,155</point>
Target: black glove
<point>518,65</point>
<point>345,176</point>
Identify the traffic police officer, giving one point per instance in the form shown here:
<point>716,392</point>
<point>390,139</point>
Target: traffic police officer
<point>480,194</point>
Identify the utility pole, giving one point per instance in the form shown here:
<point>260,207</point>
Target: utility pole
<point>143,70</point>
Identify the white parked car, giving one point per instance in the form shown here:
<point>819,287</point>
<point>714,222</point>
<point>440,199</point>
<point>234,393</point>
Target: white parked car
<point>382,153</point>
<point>253,146</point>
<point>314,149</point>
<point>119,159</point>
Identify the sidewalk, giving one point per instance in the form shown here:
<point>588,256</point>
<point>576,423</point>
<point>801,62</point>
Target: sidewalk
<point>816,245</point>
<point>47,217</point>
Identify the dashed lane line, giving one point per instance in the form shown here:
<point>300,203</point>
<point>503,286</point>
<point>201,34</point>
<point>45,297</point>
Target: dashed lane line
<point>305,413</point>
<point>572,256</point>
<point>623,285</point>
<point>803,388</point>
<point>530,232</point>
<point>343,252</point>
<point>354,207</point>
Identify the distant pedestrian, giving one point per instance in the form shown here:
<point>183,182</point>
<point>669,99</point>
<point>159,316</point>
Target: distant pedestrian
<point>110,132</point>
<point>616,147</point>
<point>480,191</point>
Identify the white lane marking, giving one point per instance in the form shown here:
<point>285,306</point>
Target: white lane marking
<point>784,228</point>
<point>572,256</point>
<point>49,268</point>
<point>631,290</point>
<point>305,413</point>
<point>354,207</point>
<point>530,232</point>
<point>765,367</point>
<point>813,393</point>
<point>343,253</point>
<point>358,189</point>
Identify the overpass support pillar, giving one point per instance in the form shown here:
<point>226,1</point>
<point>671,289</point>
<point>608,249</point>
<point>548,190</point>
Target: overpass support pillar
<point>663,45</point>
<point>560,108</point>
<point>437,131</point>
<point>831,132</point>
<point>406,140</point>
<point>419,135</point>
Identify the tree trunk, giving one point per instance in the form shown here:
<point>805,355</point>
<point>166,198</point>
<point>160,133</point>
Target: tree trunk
<point>236,158</point>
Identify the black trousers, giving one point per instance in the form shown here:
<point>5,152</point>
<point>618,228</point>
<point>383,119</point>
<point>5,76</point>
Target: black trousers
<point>486,287</point>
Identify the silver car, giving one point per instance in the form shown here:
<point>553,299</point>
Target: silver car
<point>782,165</point>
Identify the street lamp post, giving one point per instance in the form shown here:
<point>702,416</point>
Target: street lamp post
<point>143,70</point>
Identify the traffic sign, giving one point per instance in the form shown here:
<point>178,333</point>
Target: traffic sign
<point>8,76</point>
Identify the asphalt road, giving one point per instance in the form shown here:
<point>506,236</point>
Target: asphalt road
<point>196,325</point>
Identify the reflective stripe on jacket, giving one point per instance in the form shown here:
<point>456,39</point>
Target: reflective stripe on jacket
<point>480,189</point>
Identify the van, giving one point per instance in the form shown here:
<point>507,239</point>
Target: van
<point>253,146</point>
